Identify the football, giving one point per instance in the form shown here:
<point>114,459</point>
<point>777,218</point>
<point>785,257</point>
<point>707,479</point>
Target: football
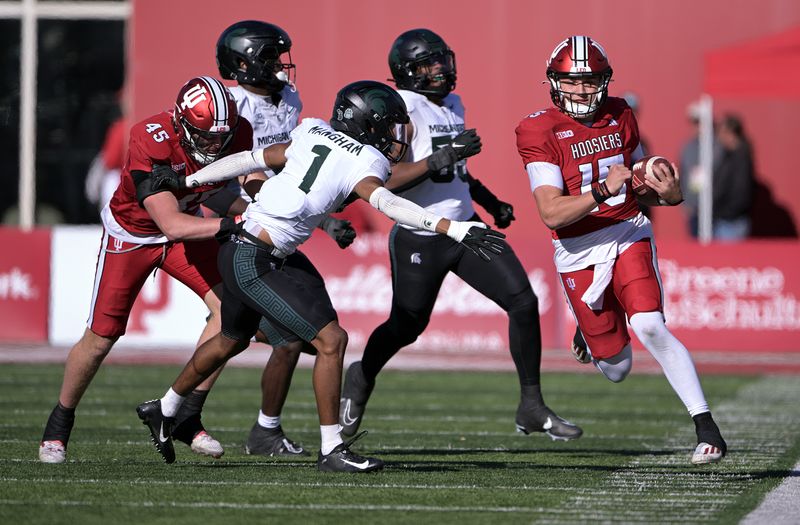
<point>645,165</point>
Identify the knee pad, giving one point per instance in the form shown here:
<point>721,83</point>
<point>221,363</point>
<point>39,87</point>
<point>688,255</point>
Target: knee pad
<point>650,329</point>
<point>616,368</point>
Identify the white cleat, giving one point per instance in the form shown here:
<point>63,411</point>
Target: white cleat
<point>52,452</point>
<point>207,445</point>
<point>705,453</point>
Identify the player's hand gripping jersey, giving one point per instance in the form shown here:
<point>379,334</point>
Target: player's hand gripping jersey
<point>322,168</point>
<point>154,141</point>
<point>559,151</point>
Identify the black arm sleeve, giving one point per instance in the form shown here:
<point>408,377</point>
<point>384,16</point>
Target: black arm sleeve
<point>143,185</point>
<point>482,195</point>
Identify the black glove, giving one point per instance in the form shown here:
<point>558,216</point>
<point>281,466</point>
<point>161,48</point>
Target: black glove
<point>502,212</point>
<point>164,177</point>
<point>465,144</point>
<point>503,215</point>
<point>484,242</point>
<point>340,231</point>
<point>228,228</point>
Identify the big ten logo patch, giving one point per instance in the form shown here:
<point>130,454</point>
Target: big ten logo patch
<point>153,298</point>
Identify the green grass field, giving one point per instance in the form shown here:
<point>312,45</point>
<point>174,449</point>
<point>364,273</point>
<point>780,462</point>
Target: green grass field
<point>448,439</point>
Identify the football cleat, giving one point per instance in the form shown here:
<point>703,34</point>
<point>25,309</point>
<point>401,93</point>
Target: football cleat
<point>160,428</point>
<point>711,446</point>
<point>52,452</point>
<point>192,432</point>
<point>706,453</point>
<point>206,445</point>
<point>579,349</point>
<point>355,394</point>
<point>342,459</point>
<point>541,419</point>
<point>271,442</point>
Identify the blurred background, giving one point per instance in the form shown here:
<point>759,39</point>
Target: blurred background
<point>76,75</point>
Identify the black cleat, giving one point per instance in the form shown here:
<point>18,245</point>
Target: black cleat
<point>539,418</point>
<point>160,428</point>
<point>355,394</point>
<point>342,459</point>
<point>272,442</point>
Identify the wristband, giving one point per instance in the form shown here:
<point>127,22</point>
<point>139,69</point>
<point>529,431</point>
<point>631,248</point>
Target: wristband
<point>597,192</point>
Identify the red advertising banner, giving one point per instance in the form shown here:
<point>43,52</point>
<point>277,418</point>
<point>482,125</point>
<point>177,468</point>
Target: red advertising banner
<point>733,297</point>
<point>24,285</point>
<point>465,326</point>
<point>728,297</point>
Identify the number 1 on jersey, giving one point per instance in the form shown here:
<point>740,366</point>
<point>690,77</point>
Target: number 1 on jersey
<point>313,170</point>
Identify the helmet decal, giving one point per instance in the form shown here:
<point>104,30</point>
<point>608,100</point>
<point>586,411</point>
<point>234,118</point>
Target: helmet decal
<point>205,118</point>
<point>368,111</point>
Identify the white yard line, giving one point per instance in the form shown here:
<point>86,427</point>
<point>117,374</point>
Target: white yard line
<point>662,495</point>
<point>781,506</point>
<point>267,506</point>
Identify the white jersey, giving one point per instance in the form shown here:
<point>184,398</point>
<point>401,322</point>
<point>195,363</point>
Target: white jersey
<point>322,168</point>
<point>271,124</point>
<point>446,194</point>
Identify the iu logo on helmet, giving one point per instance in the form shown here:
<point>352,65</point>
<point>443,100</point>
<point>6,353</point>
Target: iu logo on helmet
<point>194,96</point>
<point>570,283</point>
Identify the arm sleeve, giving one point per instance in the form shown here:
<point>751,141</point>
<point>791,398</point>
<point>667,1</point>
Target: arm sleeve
<point>228,167</point>
<point>544,174</point>
<point>403,211</point>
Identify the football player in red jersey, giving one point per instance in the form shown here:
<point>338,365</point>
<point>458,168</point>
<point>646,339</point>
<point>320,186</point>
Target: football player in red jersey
<point>146,227</point>
<point>577,155</point>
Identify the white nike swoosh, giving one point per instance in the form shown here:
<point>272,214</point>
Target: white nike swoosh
<point>548,424</point>
<point>161,436</point>
<point>346,419</point>
<point>288,446</point>
<point>361,466</point>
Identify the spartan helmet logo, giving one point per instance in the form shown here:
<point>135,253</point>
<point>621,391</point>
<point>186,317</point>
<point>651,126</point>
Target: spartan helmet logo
<point>377,102</point>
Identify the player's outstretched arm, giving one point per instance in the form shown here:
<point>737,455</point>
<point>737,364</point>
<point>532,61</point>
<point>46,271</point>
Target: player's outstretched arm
<point>238,164</point>
<point>483,241</point>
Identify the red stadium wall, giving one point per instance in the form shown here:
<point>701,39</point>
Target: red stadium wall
<point>656,48</point>
<point>24,285</point>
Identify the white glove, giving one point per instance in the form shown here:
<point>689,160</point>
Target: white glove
<point>458,229</point>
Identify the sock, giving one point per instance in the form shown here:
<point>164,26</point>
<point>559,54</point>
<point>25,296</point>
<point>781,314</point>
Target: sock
<point>192,405</point>
<point>531,395</point>
<point>59,424</point>
<point>171,402</point>
<point>330,438</point>
<point>708,431</point>
<point>673,357</point>
<point>268,421</point>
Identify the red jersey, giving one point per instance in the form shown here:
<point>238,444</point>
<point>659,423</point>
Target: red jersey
<point>584,153</point>
<point>154,141</point>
